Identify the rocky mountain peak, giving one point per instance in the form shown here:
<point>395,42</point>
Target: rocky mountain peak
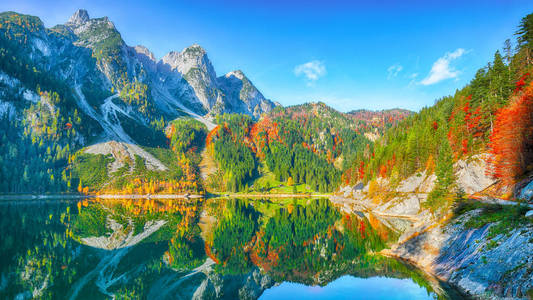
<point>79,17</point>
<point>237,73</point>
<point>194,49</point>
<point>143,50</point>
<point>192,57</point>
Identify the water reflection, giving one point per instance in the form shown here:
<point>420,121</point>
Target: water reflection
<point>216,248</point>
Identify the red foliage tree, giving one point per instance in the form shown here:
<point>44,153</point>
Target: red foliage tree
<point>511,141</point>
<point>521,83</point>
<point>383,171</point>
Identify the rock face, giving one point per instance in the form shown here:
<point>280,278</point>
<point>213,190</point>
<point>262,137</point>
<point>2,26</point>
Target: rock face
<point>233,92</point>
<point>500,266</point>
<point>242,96</point>
<point>407,201</point>
<point>194,65</point>
<point>472,174</point>
<point>79,17</point>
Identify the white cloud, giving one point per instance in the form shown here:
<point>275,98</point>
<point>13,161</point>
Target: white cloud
<point>441,69</point>
<point>311,70</point>
<point>394,70</point>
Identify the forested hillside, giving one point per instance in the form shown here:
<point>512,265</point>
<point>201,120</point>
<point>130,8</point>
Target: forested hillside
<point>492,114</point>
<point>36,147</point>
<point>376,122</point>
<point>307,144</point>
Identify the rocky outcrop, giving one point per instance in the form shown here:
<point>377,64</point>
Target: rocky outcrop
<point>500,266</point>
<point>81,16</point>
<point>196,69</point>
<point>242,96</point>
<point>472,174</point>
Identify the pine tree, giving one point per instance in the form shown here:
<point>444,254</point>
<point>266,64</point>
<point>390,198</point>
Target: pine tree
<point>525,35</point>
<point>442,194</point>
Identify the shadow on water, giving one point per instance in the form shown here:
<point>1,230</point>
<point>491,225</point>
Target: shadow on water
<point>183,248</point>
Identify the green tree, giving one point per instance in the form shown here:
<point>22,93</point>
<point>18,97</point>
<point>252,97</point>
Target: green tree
<point>525,35</point>
<point>442,194</point>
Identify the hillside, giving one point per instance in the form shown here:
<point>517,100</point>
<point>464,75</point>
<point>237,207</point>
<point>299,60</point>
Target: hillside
<point>301,148</point>
<point>379,121</point>
<point>487,118</point>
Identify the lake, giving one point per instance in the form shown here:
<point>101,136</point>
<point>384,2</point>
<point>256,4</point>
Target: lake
<point>203,249</point>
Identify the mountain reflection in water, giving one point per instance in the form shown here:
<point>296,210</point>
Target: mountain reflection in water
<point>214,248</point>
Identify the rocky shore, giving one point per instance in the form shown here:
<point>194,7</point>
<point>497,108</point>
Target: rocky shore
<point>484,257</point>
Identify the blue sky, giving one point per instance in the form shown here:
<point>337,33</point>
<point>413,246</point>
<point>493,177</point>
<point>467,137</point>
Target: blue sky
<point>349,54</point>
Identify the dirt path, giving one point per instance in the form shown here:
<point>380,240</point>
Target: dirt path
<point>207,165</point>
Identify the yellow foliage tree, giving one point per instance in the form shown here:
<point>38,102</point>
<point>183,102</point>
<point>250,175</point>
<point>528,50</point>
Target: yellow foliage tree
<point>290,182</point>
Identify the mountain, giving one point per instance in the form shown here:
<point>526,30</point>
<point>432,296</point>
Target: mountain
<point>180,78</point>
<point>79,84</point>
<point>89,56</point>
<point>231,93</point>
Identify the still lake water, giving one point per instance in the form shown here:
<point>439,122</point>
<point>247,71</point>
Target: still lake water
<point>203,249</point>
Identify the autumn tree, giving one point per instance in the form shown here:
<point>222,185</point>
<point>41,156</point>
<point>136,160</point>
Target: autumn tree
<point>511,141</point>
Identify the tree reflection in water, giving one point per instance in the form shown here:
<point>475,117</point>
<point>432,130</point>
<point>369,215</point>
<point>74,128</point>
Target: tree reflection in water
<point>216,247</point>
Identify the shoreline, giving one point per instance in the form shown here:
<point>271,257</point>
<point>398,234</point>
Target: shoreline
<point>154,196</point>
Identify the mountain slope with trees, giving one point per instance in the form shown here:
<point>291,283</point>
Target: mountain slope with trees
<point>490,115</point>
<point>309,144</point>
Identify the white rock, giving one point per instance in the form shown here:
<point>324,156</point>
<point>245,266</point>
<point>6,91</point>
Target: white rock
<point>472,174</point>
<point>79,17</point>
<point>411,184</point>
<point>30,96</point>
<point>123,152</point>
<point>402,206</point>
<point>41,46</point>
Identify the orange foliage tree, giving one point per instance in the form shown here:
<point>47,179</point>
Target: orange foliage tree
<point>511,141</point>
